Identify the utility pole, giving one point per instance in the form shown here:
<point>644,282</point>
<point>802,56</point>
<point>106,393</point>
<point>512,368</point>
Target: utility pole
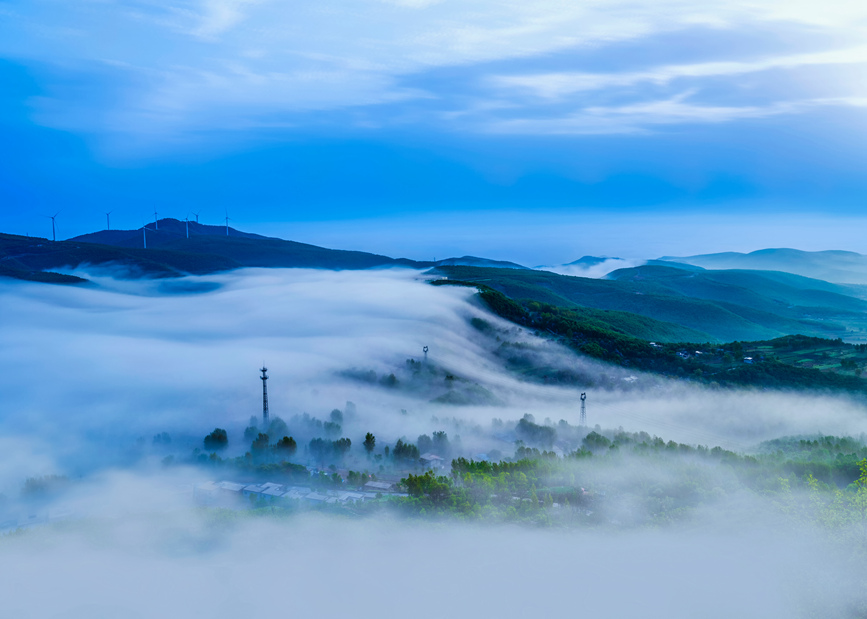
<point>264,378</point>
<point>583,421</point>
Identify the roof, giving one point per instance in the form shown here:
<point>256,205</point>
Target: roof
<point>379,485</point>
<point>231,486</point>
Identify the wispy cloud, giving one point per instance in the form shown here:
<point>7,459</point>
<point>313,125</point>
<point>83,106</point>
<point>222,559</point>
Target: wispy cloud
<point>555,85</point>
<point>233,64</point>
<point>220,15</point>
<point>644,116</point>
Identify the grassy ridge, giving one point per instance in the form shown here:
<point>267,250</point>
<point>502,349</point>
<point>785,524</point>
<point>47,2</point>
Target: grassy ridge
<point>710,363</point>
<point>27,258</point>
<point>725,306</point>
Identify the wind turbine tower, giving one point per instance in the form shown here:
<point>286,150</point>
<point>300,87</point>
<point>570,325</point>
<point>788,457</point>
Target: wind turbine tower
<point>264,378</point>
<point>156,221</point>
<point>425,354</point>
<point>227,223</point>
<point>108,220</point>
<point>52,218</point>
<point>144,235</point>
<point>197,216</point>
<point>583,418</point>
<point>187,221</point>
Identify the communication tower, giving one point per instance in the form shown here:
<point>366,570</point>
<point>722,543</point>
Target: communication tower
<point>583,421</point>
<point>264,378</point>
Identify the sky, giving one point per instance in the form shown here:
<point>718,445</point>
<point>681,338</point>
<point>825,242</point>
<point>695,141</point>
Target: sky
<point>537,132</point>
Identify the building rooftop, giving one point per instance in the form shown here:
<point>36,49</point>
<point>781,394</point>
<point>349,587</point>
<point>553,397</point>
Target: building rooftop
<point>378,485</point>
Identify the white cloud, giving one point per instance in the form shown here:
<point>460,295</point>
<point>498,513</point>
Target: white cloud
<point>642,117</point>
<point>241,63</point>
<point>218,16</point>
<point>555,85</point>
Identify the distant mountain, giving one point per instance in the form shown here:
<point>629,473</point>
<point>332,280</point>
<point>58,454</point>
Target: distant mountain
<point>242,248</point>
<point>675,265</point>
<point>588,261</point>
<point>589,266</point>
<point>473,261</point>
<point>844,267</point>
<point>726,305</point>
<point>171,253</point>
<point>32,258</point>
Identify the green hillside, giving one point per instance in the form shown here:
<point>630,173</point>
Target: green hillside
<point>724,305</point>
<point>242,248</point>
<point>763,290</point>
<point>833,266</point>
<point>33,259</point>
<point>793,362</point>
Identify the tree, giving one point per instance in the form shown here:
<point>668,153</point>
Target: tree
<point>261,442</point>
<point>425,444</point>
<point>320,449</point>
<point>332,429</point>
<point>595,441</point>
<point>441,445</point>
<point>369,443</point>
<point>341,446</point>
<point>535,434</point>
<point>277,427</point>
<point>218,439</point>
<point>250,432</point>
<point>405,451</point>
<point>287,446</point>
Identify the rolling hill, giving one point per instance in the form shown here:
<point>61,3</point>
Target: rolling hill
<point>242,248</point>
<point>725,305</point>
<point>843,267</point>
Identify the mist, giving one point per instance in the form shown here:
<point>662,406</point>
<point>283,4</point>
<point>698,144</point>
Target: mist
<point>146,553</point>
<point>124,359</point>
<point>594,271</point>
<point>90,374</point>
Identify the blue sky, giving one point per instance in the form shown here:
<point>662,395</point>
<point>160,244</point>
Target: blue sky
<point>537,132</point>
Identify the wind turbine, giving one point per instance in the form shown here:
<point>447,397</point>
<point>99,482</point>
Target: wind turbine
<point>227,223</point>
<point>52,218</point>
<point>156,221</point>
<point>187,221</point>
<point>197,216</point>
<point>107,220</point>
<point>144,233</point>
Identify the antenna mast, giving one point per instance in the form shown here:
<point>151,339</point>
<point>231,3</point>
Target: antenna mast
<point>583,421</point>
<point>264,378</point>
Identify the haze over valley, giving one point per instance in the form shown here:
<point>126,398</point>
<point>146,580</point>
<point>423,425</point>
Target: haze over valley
<point>424,308</point>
